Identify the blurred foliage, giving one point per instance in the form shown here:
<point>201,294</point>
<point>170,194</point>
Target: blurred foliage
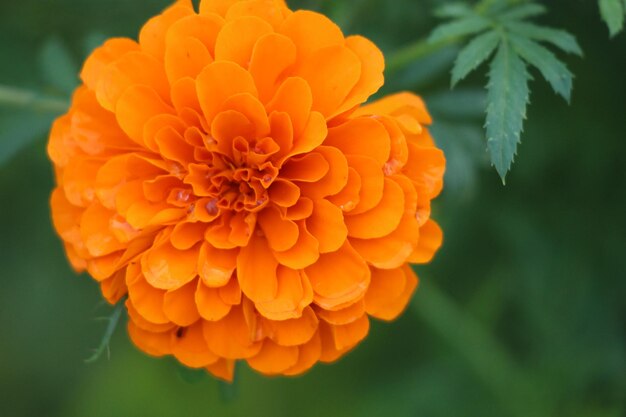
<point>521,314</point>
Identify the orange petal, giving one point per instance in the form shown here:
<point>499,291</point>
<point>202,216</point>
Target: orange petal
<point>153,33</point>
<point>281,233</point>
<point>231,337</point>
<point>96,234</point>
<point>304,253</point>
<point>293,332</point>
<point>397,104</point>
<point>273,54</point>
<point>284,193</point>
<point>184,95</point>
<point>219,81</point>
<point>348,198</point>
<point>256,270</point>
<point>166,267</point>
<point>248,105</point>
<point>293,97</point>
<point>389,292</point>
<point>310,167</point>
<point>339,278</point>
<point>382,219</point>
<point>111,50</point>
<point>345,315</point>
<point>114,288</point>
<point>301,210</point>
<point>294,294</point>
<point>133,68</point>
<point>216,266</point>
<point>190,348</point>
<point>327,226</point>
<point>426,166</point>
<point>337,340</point>
<point>272,11</point>
<point>223,369</point>
<point>308,355</point>
<point>273,359</point>
<point>144,324</point>
<point>362,136</point>
<point>147,300</point>
<point>186,235</point>
<point>238,37</point>
<point>216,6</point>
<point>334,181</point>
<point>393,250</point>
<point>331,72</point>
<point>185,57</point>
<point>371,71</point>
<point>372,183</point>
<point>179,305</point>
<point>154,344</point>
<point>210,305</point>
<point>431,239</point>
<point>310,32</point>
<point>136,107</point>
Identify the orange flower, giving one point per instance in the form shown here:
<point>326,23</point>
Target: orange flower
<point>224,173</point>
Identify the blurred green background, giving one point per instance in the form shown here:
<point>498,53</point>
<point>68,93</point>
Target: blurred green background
<point>521,314</point>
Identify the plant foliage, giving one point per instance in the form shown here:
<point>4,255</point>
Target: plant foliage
<point>504,33</point>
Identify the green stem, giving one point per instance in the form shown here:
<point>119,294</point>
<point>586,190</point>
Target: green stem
<point>415,51</point>
<point>482,352</point>
<point>17,97</point>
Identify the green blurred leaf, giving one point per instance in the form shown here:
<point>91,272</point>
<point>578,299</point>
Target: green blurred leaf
<point>559,38</point>
<point>522,12</point>
<point>459,104</point>
<point>57,65</point>
<point>474,54</point>
<point>507,96</point>
<point>452,10</point>
<point>612,12</point>
<point>19,130</point>
<point>459,28</point>
<point>553,70</point>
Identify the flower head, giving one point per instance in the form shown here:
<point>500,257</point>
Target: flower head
<point>224,173</point>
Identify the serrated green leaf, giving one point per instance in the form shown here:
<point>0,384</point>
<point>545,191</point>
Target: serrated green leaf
<point>474,54</point>
<point>458,28</point>
<point>559,38</point>
<point>507,97</point>
<point>553,70</point>
<point>612,12</point>
<point>522,12</point>
<point>57,65</point>
<point>452,10</point>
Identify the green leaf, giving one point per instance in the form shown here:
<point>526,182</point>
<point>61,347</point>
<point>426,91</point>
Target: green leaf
<point>474,54</point>
<point>113,321</point>
<point>20,129</point>
<point>559,38</point>
<point>522,12</point>
<point>612,12</point>
<point>452,10</point>
<point>506,110</point>
<point>58,67</point>
<point>554,71</point>
<point>459,28</point>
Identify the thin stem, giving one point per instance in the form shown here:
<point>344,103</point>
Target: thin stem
<point>17,97</point>
<point>482,351</point>
<point>415,51</point>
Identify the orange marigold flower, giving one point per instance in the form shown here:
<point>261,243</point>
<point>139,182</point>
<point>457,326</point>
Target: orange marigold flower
<point>224,173</point>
